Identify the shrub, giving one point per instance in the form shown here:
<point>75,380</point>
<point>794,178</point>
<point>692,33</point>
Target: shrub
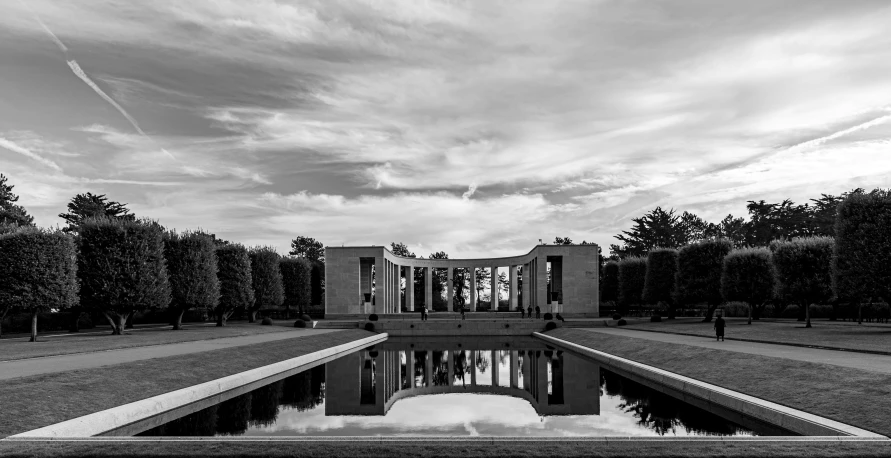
<point>655,319</point>
<point>699,274</point>
<point>622,323</point>
<point>372,317</point>
<point>609,290</point>
<point>296,277</point>
<point>192,270</point>
<point>616,316</point>
<point>39,272</point>
<point>804,271</point>
<point>234,273</point>
<point>632,272</point>
<point>662,266</point>
<point>548,316</point>
<point>266,279</point>
<point>861,263</point>
<point>369,327</point>
<point>306,318</point>
<point>747,276</point>
<point>266,321</point>
<point>300,324</point>
<point>550,326</point>
<point>121,268</point>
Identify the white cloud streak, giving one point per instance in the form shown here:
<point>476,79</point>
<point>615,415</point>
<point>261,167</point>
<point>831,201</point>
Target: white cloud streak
<point>16,148</point>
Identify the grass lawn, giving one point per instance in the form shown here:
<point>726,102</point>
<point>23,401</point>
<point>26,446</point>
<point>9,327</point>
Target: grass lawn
<point>445,449</point>
<point>78,343</point>
<point>857,397</point>
<point>846,335</point>
<point>31,402</point>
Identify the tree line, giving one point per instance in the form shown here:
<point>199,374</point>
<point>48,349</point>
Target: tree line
<point>805,260</point>
<point>108,262</point>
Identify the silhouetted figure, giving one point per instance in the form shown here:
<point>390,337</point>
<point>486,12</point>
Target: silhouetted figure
<point>462,311</point>
<point>522,312</point>
<point>529,311</point>
<point>560,317</point>
<point>424,313</point>
<point>719,328</point>
<point>537,312</point>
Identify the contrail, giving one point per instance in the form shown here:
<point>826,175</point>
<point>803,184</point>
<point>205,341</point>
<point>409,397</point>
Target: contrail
<point>14,147</point>
<point>841,133</point>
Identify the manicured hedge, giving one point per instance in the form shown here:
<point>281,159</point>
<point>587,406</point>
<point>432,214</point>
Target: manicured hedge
<point>748,276</point>
<point>234,273</point>
<point>121,268</point>
<point>266,279</point>
<point>861,266</point>
<point>699,274</point>
<point>192,269</point>
<point>39,272</point>
<point>662,266</point>
<point>632,272</point>
<point>296,283</point>
<point>609,289</point>
<point>804,271</point>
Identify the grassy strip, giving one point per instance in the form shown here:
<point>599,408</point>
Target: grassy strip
<point>823,334</point>
<point>441,449</point>
<point>32,402</point>
<point>848,395</point>
<point>53,346</point>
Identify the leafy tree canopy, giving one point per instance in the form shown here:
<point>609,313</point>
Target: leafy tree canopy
<point>89,205</point>
<point>12,214</point>
<point>309,248</point>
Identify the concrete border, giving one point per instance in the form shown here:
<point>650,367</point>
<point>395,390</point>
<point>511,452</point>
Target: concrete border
<point>127,414</point>
<point>785,417</point>
<point>477,439</point>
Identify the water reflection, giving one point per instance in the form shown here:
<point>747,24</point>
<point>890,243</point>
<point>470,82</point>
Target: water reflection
<point>487,387</point>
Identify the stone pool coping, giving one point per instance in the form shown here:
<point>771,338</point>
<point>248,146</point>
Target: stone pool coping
<point>477,439</point>
<point>798,421</point>
<point>121,416</point>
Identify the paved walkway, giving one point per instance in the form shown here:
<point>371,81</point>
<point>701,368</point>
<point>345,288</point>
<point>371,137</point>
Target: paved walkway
<point>62,363</point>
<point>862,361</point>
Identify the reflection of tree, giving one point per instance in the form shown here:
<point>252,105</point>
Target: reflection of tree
<point>462,366</point>
<point>264,404</point>
<point>482,363</point>
<point>440,369</point>
<point>661,412</point>
<point>200,423</point>
<point>297,392</point>
<point>233,415</point>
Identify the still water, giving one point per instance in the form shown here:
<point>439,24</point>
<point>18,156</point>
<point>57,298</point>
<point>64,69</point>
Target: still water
<point>486,387</point>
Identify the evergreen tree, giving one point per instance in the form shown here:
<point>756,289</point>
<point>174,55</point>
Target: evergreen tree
<point>11,214</point>
<point>89,205</point>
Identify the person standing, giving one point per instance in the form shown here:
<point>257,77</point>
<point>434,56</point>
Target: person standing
<point>522,312</point>
<point>529,312</point>
<point>537,312</point>
<point>462,311</point>
<point>720,324</point>
<point>424,313</point>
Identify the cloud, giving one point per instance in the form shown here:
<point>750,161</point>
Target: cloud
<point>15,148</point>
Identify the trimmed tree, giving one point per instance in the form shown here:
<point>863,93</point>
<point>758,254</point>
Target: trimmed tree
<point>234,273</point>
<point>121,268</point>
<point>804,271</point>
<point>296,279</point>
<point>861,264</point>
<point>39,271</point>
<point>610,287</point>
<point>318,284</point>
<point>266,279</point>
<point>748,276</point>
<point>699,274</point>
<point>192,269</point>
<point>662,266</point>
<point>632,273</point>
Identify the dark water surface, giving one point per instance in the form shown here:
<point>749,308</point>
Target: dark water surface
<point>487,387</point>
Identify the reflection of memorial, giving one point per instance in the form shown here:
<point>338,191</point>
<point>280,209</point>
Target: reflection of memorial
<point>369,382</point>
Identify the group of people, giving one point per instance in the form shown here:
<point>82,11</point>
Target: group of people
<point>523,313</point>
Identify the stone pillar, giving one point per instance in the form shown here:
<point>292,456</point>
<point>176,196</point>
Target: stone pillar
<point>410,367</point>
<point>526,285</point>
<point>495,374</point>
<point>472,367</point>
<point>556,281</point>
<point>428,369</point>
<point>494,289</point>
<point>541,284</point>
<point>514,378</point>
<point>428,288</point>
<point>410,288</point>
<point>397,288</point>
<point>514,296</point>
<point>450,288</point>
<point>377,276</point>
<point>527,370</point>
<point>472,273</point>
<point>451,365</point>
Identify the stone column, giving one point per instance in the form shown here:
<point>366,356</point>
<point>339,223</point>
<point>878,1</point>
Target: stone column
<point>472,272</point>
<point>526,285</point>
<point>514,360</point>
<point>472,367</point>
<point>451,364</point>
<point>527,370</point>
<point>410,367</point>
<point>541,284</point>
<point>514,297</point>
<point>450,288</point>
<point>428,369</point>
<point>494,289</point>
<point>410,288</point>
<point>428,288</point>
<point>397,287</point>
<point>378,285</point>
<point>495,374</point>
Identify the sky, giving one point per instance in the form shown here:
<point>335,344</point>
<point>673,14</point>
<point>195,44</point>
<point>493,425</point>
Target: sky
<point>476,128</point>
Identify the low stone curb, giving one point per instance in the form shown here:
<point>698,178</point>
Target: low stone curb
<point>476,439</point>
<point>785,417</point>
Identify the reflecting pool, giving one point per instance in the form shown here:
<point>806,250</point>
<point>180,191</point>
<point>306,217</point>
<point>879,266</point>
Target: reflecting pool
<point>482,386</point>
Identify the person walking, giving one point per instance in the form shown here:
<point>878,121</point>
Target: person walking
<point>537,312</point>
<point>522,312</point>
<point>719,328</point>
<point>424,313</point>
<point>529,312</point>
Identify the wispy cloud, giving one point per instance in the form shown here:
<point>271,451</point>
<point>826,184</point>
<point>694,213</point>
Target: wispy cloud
<point>16,148</point>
